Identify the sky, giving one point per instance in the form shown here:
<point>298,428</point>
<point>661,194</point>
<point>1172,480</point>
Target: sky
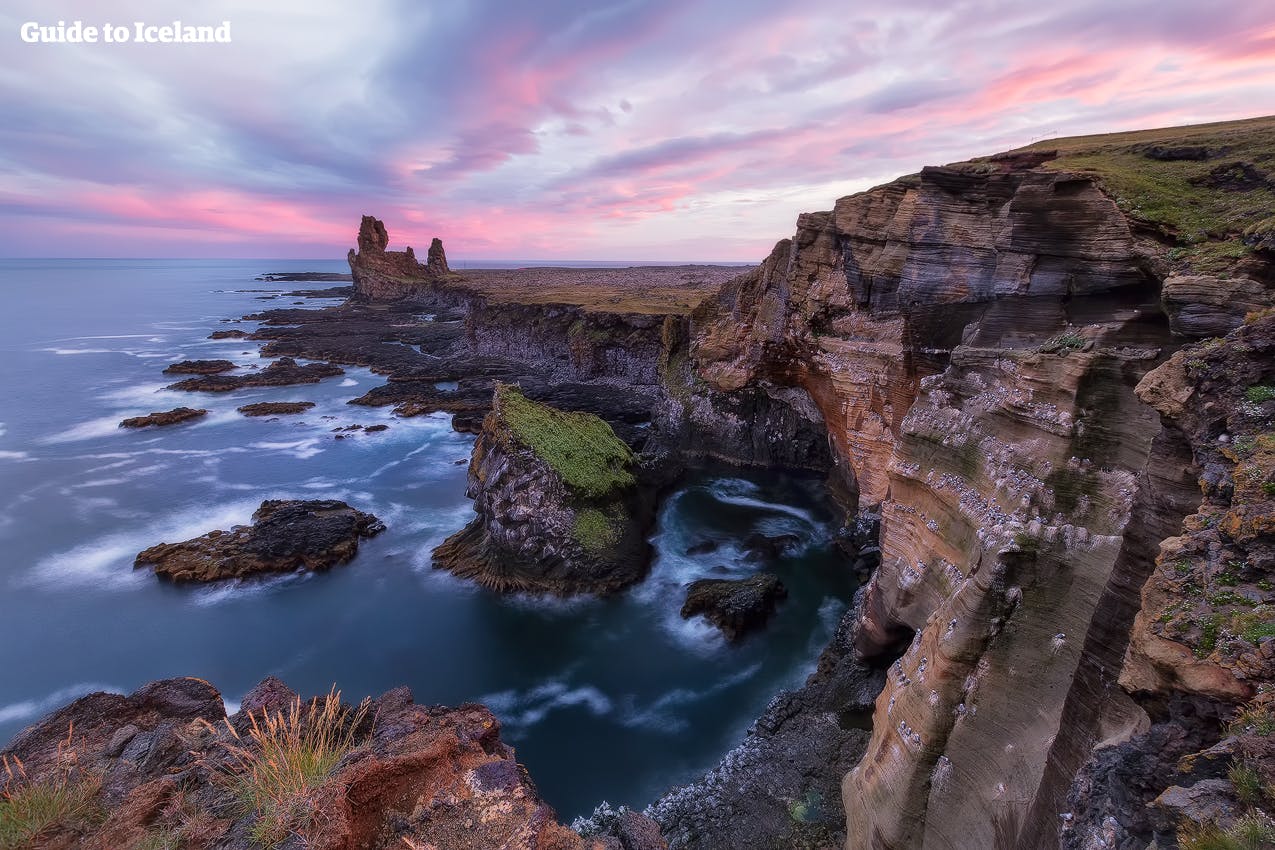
<point>689,130</point>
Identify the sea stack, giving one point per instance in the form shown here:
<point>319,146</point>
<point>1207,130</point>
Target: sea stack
<point>381,275</point>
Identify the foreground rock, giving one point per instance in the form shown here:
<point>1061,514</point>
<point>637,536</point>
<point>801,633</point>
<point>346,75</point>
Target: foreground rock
<point>274,408</point>
<point>161,768</point>
<point>284,536</point>
<point>736,606</point>
<point>166,417</point>
<point>281,373</point>
<point>559,508</point>
<point>199,367</point>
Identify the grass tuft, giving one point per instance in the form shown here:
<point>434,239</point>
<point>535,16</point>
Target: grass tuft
<point>286,758</point>
<point>1251,832</point>
<point>65,801</point>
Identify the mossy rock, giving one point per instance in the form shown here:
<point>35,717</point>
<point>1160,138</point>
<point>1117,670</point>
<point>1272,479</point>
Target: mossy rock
<point>581,448</point>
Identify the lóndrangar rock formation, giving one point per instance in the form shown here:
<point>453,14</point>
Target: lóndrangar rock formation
<point>381,275</point>
<point>560,509</point>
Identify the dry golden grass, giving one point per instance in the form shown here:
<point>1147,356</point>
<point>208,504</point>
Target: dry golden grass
<point>64,801</point>
<point>285,758</point>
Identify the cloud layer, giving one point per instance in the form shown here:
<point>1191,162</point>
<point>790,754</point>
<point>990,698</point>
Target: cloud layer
<point>600,129</point>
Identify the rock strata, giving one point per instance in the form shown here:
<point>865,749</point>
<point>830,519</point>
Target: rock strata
<point>559,507</point>
<point>284,536</point>
<point>160,768</point>
<point>165,417</point>
<point>736,606</point>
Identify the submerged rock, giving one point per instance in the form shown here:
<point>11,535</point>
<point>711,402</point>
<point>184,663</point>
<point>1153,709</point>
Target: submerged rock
<point>273,408</point>
<point>282,372</point>
<point>160,768</point>
<point>199,367</point>
<point>559,508</point>
<point>166,417</point>
<point>736,606</point>
<point>284,536</point>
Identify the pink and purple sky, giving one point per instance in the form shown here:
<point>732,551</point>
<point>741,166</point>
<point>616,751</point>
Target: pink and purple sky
<point>566,129</point>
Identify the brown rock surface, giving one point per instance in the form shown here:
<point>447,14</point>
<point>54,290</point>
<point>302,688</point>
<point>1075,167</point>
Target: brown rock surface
<point>165,417</point>
<point>162,765</point>
<point>284,536</point>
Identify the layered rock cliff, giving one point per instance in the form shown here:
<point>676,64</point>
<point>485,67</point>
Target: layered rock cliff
<point>972,337</point>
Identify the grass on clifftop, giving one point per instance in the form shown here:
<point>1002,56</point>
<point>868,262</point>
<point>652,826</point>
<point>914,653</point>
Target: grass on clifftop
<point>1207,204</point>
<point>591,460</point>
<point>286,758</point>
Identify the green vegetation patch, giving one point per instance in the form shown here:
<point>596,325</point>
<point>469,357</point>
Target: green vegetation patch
<point>1259,393</point>
<point>1208,186</point>
<point>595,531</point>
<point>591,460</point>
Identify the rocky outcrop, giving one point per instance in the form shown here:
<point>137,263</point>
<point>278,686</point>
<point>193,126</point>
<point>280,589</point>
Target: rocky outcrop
<point>281,373</point>
<point>1206,305</point>
<point>199,367</point>
<point>164,417</point>
<point>381,275</point>
<point>275,408</point>
<point>165,767</point>
<point>559,507</point>
<point>736,606</point>
<point>284,536</point>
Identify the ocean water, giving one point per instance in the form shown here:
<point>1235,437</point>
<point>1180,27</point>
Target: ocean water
<point>616,699</point>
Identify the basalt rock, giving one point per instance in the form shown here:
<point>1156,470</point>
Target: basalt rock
<point>559,507</point>
<point>736,606</point>
<point>275,408</point>
<point>281,373</point>
<point>199,367</point>
<point>381,275</point>
<point>284,536</point>
<point>165,417</point>
<point>159,767</point>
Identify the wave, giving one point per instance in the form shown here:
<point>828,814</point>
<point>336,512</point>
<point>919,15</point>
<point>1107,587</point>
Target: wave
<point>36,708</point>
<point>523,710</point>
<point>107,561</point>
<point>660,715</point>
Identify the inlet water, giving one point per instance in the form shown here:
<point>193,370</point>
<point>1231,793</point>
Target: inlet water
<point>617,698</point>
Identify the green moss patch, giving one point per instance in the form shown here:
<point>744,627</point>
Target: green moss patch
<point>595,531</point>
<point>1207,186</point>
<point>581,448</point>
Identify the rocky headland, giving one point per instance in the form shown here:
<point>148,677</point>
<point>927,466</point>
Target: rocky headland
<point>1041,386</point>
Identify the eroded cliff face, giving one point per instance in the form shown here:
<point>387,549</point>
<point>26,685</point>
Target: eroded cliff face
<point>971,338</point>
